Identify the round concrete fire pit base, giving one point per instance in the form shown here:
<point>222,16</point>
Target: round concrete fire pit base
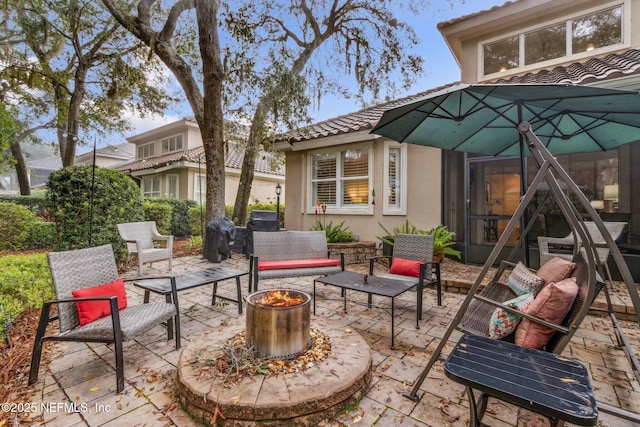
<point>293,399</point>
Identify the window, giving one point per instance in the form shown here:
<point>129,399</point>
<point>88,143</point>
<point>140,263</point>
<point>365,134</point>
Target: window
<point>151,186</point>
<point>395,178</point>
<point>172,144</point>
<point>559,41</point>
<point>545,44</point>
<point>599,30</point>
<point>146,150</point>
<point>341,180</point>
<point>172,186</point>
<point>200,189</point>
<point>501,55</point>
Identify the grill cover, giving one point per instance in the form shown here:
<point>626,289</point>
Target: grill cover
<point>217,244</point>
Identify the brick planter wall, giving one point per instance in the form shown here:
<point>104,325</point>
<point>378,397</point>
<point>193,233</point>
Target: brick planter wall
<point>354,252</point>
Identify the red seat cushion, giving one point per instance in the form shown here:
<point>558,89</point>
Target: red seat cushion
<point>297,263</point>
<point>88,311</point>
<point>405,267</point>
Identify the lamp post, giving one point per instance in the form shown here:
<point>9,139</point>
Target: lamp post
<point>278,192</point>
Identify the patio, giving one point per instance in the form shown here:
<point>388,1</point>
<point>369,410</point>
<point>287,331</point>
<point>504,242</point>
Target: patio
<point>82,374</point>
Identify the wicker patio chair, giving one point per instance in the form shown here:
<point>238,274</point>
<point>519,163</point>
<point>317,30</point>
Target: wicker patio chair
<point>86,268</point>
<point>415,247</point>
<point>141,238</point>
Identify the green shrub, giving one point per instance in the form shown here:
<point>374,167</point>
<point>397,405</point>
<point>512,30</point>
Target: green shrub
<point>116,199</point>
<point>160,212</point>
<point>335,233</point>
<point>25,282</point>
<point>43,235</point>
<point>16,223</point>
<point>180,219</point>
<point>36,203</point>
<point>196,220</point>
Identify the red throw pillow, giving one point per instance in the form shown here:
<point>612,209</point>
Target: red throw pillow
<point>405,267</point>
<point>88,311</point>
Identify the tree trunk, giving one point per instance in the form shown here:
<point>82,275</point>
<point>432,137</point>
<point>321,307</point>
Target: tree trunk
<point>207,107</point>
<point>21,169</point>
<point>211,122</point>
<point>248,166</point>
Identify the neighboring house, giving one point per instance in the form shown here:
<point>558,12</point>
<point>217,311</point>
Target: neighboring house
<point>170,162</point>
<point>39,170</point>
<point>365,179</point>
<point>109,156</point>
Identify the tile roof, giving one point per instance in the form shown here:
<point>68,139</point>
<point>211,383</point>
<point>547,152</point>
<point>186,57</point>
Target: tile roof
<point>233,160</point>
<point>595,69</point>
<point>473,15</point>
<point>612,66</point>
<point>352,122</point>
<point>124,150</point>
<point>48,163</point>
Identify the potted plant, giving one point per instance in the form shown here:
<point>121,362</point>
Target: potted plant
<point>443,239</point>
<point>443,242</point>
<point>387,239</point>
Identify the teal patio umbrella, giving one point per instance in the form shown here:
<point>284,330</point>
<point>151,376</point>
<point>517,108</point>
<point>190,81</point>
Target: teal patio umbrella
<point>482,119</point>
<point>541,121</point>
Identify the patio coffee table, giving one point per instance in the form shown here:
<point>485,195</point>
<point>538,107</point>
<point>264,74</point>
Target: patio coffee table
<point>374,285</point>
<point>191,280</point>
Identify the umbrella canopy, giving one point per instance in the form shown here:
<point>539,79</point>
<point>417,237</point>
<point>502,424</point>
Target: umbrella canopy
<point>482,119</point>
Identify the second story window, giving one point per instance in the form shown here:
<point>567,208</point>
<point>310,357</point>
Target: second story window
<point>146,151</point>
<point>564,39</point>
<point>172,144</point>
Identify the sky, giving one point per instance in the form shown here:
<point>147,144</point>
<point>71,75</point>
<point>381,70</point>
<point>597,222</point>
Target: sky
<point>439,65</point>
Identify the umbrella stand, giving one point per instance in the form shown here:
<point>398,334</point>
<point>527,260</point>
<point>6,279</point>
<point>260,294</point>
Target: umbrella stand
<point>548,165</point>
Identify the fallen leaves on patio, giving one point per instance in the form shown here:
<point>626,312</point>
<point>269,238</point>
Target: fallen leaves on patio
<point>14,370</point>
<point>236,360</point>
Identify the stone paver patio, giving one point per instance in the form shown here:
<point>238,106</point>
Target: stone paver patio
<point>82,377</point>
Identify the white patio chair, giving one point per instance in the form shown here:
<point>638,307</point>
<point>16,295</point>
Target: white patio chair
<point>547,245</point>
<point>141,238</point>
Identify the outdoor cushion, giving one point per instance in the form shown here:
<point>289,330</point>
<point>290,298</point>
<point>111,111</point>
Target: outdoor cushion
<point>556,270</point>
<point>405,267</point>
<point>297,263</point>
<point>552,304</point>
<point>523,281</point>
<point>503,322</point>
<point>88,311</point>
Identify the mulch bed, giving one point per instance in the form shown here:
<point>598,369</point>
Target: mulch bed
<point>16,359</point>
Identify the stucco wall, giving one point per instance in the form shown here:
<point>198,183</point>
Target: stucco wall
<point>423,201</point>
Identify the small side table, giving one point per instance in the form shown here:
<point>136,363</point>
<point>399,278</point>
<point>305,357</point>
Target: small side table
<point>546,383</point>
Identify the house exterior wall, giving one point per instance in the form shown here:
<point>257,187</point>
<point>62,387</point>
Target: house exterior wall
<point>424,207</point>
<point>464,37</point>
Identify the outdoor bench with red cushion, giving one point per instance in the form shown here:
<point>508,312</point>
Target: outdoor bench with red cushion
<point>278,254</point>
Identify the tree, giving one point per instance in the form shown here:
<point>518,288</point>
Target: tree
<point>265,75</point>
<point>160,33</point>
<point>70,66</point>
<point>289,52</point>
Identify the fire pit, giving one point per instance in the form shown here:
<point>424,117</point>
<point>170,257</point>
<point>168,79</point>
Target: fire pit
<point>278,322</point>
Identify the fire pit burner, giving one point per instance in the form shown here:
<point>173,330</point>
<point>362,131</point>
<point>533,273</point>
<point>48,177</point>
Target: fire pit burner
<point>278,322</point>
